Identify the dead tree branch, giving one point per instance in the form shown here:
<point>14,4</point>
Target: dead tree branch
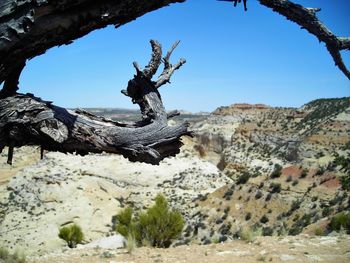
<point>30,27</point>
<point>307,19</point>
<point>169,69</point>
<point>27,120</point>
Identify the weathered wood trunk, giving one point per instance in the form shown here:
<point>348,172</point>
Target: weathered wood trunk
<point>27,120</point>
<point>30,27</point>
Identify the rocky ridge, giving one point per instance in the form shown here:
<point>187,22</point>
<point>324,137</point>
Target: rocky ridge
<point>256,167</point>
<point>281,164</point>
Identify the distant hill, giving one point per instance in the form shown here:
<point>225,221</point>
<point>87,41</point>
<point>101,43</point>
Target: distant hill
<point>280,160</point>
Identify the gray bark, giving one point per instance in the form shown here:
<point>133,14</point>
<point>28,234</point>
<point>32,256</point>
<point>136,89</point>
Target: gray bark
<point>307,19</point>
<point>27,120</point>
<point>30,27</point>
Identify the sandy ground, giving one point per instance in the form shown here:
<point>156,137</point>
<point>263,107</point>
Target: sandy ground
<point>264,249</point>
<point>23,157</point>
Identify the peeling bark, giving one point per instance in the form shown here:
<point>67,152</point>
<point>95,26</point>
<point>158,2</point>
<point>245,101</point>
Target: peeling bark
<point>30,27</point>
<point>27,120</point>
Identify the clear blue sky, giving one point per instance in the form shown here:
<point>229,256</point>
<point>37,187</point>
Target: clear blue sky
<point>232,56</point>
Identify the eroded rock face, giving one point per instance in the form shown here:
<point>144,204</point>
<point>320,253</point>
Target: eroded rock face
<point>89,191</point>
<point>297,143</point>
<point>248,135</point>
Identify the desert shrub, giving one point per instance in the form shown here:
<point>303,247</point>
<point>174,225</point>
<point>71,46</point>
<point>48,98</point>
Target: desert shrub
<point>295,230</point>
<point>289,179</point>
<point>258,195</point>
<point>248,216</point>
<point>247,234</point>
<point>268,197</point>
<point>264,219</point>
<point>4,253</point>
<point>304,173</point>
<point>130,243</point>
<point>295,205</point>
<point>319,232</point>
<point>275,188</point>
<point>158,226</point>
<point>7,257</point>
<point>277,172</point>
<point>341,221</point>
<point>295,182</point>
<point>228,194</point>
<point>73,235</point>
<point>127,225</point>
<point>300,224</point>
<point>267,231</point>
<point>344,163</point>
<point>321,170</point>
<point>326,211</point>
<point>243,178</point>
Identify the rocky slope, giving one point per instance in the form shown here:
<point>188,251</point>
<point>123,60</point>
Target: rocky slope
<point>249,167</point>
<point>62,189</point>
<point>281,163</point>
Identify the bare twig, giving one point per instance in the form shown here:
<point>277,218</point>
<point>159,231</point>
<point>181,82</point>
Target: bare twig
<point>155,61</point>
<point>169,69</point>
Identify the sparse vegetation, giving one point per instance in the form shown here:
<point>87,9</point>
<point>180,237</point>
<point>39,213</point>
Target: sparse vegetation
<point>248,216</point>
<point>73,235</point>
<point>277,172</point>
<point>341,221</point>
<point>258,195</point>
<point>158,226</point>
<point>319,232</point>
<point>243,178</point>
<point>130,243</point>
<point>327,211</point>
<point>267,231</point>
<point>7,257</point>
<point>295,182</point>
<point>344,163</point>
<point>247,234</point>
<point>264,219</point>
<point>304,173</point>
<point>275,187</point>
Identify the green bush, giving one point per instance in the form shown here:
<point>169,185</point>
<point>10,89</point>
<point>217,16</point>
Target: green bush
<point>304,173</point>
<point>344,163</point>
<point>243,178</point>
<point>277,172</point>
<point>319,232</point>
<point>275,187</point>
<point>158,226</point>
<point>267,231</point>
<point>248,234</point>
<point>7,257</point>
<point>127,225</point>
<point>341,221</point>
<point>73,235</point>
<point>264,219</point>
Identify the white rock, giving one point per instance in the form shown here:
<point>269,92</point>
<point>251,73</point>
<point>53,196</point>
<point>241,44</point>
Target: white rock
<point>111,242</point>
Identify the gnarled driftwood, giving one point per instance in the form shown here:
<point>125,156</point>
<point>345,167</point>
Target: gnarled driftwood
<point>30,27</point>
<point>27,120</point>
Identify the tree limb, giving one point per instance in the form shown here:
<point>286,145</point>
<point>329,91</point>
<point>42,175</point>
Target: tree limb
<point>169,69</point>
<point>307,19</point>
<point>27,120</point>
<point>30,27</point>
